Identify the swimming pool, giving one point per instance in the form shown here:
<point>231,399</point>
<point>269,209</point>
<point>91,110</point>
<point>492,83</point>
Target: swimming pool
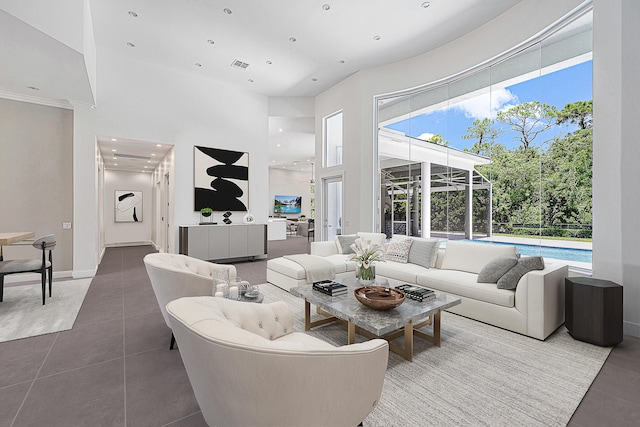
<point>567,254</point>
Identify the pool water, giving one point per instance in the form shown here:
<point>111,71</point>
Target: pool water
<point>567,254</point>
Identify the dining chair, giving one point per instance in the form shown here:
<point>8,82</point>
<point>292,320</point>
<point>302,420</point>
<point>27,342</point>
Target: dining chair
<point>14,266</point>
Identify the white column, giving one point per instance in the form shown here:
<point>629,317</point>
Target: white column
<point>426,199</point>
<point>468,212</point>
<point>616,207</point>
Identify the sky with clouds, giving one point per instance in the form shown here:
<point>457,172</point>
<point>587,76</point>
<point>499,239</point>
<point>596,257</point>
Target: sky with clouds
<point>558,89</point>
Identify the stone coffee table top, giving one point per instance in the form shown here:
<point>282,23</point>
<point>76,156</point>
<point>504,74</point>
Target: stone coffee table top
<point>387,324</point>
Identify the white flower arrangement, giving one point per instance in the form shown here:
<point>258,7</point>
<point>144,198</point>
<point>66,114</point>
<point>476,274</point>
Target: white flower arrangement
<point>365,253</point>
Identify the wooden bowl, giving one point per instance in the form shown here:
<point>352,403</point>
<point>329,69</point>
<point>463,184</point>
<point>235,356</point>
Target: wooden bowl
<point>379,297</point>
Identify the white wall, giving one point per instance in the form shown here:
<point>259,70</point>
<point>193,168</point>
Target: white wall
<point>143,102</point>
<point>121,233</point>
<point>284,182</point>
<point>616,153</point>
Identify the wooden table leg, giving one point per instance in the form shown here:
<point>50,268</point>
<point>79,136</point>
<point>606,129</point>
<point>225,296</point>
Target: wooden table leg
<point>307,315</point>
<point>436,328</point>
<point>351,333</point>
<point>408,341</point>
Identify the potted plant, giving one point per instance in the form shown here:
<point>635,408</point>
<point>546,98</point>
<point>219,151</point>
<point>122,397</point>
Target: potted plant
<point>205,213</point>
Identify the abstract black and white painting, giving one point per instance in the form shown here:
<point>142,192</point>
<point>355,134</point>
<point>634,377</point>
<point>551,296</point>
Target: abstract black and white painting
<point>128,206</point>
<point>221,179</point>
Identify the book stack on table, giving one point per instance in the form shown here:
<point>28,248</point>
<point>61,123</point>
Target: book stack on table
<point>417,293</point>
<point>330,287</point>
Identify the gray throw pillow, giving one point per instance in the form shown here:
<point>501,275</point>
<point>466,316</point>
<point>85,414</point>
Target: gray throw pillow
<point>497,267</point>
<point>423,252</point>
<point>345,243</point>
<point>526,264</point>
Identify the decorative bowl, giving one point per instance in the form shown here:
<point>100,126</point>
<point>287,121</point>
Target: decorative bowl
<point>379,297</point>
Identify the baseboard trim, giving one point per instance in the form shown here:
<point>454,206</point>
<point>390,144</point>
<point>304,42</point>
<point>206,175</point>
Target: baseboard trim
<point>124,244</point>
<point>81,274</point>
<point>630,328</point>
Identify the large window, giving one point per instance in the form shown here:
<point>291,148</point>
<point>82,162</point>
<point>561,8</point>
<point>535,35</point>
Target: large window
<point>332,140</point>
<point>501,154</point>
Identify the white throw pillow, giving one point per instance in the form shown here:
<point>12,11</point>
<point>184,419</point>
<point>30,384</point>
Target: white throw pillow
<point>398,250</point>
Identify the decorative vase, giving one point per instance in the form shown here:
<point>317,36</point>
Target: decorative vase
<point>366,275</point>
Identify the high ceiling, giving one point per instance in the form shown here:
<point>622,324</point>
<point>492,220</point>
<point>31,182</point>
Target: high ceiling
<point>285,47</point>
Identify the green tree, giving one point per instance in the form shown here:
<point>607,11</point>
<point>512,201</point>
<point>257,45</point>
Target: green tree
<point>438,139</point>
<point>484,133</point>
<point>578,113</point>
<point>528,120</point>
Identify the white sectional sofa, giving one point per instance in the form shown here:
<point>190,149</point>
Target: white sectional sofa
<point>535,308</point>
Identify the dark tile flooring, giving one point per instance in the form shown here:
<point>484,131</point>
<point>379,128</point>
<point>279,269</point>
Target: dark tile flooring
<point>114,367</point>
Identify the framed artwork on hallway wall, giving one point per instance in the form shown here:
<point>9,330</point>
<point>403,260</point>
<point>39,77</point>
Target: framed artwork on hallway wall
<point>221,179</point>
<point>128,206</point>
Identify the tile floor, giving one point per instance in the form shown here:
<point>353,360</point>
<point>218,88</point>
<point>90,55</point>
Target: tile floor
<point>114,368</point>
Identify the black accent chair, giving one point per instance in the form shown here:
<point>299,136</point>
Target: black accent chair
<point>14,266</point>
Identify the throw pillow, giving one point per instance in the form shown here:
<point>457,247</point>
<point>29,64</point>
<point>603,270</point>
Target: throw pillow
<point>424,252</point>
<point>345,242</point>
<point>398,250</point>
<point>512,277</point>
<point>497,267</point>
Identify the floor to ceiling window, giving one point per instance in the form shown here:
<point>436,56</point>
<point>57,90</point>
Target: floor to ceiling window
<point>500,154</point>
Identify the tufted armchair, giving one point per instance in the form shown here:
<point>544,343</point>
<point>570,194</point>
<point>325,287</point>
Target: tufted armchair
<point>173,276</point>
<point>248,367</point>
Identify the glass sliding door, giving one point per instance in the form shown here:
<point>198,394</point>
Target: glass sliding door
<point>501,153</point>
<point>332,207</point>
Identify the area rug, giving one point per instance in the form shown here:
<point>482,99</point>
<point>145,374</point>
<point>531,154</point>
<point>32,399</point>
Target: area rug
<point>22,314</point>
<point>480,376</point>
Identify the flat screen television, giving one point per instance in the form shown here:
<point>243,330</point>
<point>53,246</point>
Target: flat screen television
<point>287,204</point>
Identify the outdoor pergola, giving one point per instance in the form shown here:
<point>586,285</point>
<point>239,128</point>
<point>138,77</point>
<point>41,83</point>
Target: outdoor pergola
<point>408,165</point>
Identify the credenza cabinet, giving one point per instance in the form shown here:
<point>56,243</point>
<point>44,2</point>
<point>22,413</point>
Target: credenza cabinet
<point>221,242</point>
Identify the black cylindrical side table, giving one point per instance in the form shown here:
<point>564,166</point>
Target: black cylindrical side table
<point>593,310</point>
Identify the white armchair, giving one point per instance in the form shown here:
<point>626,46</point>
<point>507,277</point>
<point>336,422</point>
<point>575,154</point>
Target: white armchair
<point>174,276</point>
<point>248,367</point>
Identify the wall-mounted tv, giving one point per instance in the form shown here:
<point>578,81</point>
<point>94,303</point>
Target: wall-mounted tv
<point>288,204</point>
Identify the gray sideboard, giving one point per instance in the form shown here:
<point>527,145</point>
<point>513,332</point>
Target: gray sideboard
<point>221,242</point>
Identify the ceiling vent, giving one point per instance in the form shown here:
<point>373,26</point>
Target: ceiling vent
<point>239,64</point>
<point>130,156</point>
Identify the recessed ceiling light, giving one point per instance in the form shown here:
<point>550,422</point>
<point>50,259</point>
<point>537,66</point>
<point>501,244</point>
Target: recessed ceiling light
<point>376,37</point>
<point>280,130</point>
<point>269,62</point>
<point>283,167</point>
<point>148,161</point>
<point>278,145</point>
<point>210,41</point>
<point>326,7</point>
<point>158,145</point>
<point>273,161</point>
<point>197,64</point>
<point>115,164</point>
<point>153,154</point>
<point>113,139</point>
<point>131,44</point>
<point>32,88</point>
<point>133,14</point>
<point>146,167</point>
<point>227,11</point>
<point>292,39</point>
<point>426,4</point>
<point>114,150</point>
